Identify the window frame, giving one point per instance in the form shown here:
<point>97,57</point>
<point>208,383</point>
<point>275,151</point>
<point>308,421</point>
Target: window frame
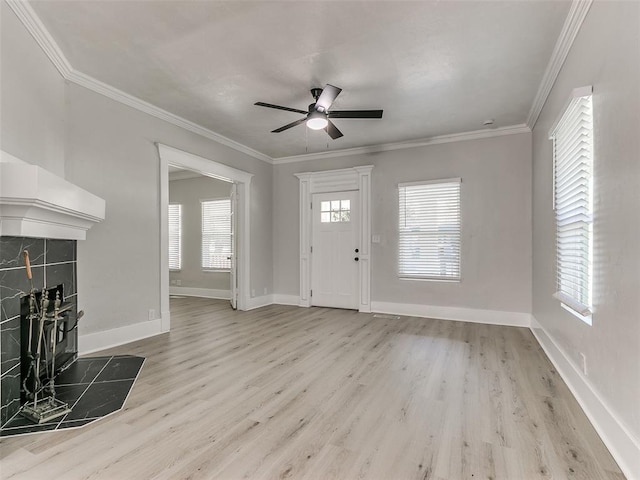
<point>179,205</point>
<point>576,306</point>
<point>433,278</point>
<point>202,235</point>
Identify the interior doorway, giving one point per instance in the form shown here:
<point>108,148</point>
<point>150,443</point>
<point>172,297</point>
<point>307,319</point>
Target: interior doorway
<point>241,198</point>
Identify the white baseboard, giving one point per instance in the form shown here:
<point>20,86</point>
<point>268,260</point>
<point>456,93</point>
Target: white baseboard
<point>280,299</point>
<point>261,301</point>
<point>200,292</point>
<point>622,444</point>
<point>492,317</point>
<point>93,342</point>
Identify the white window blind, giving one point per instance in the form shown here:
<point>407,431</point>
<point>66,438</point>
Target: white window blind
<point>175,236</point>
<point>573,170</point>
<point>429,230</point>
<point>216,234</point>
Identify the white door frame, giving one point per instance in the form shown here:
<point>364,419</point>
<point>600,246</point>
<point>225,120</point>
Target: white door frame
<point>355,178</point>
<point>208,168</point>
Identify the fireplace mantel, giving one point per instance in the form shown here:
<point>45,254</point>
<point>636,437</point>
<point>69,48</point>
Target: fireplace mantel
<point>37,203</point>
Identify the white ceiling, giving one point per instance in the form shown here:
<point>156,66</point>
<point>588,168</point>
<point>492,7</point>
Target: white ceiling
<point>435,67</point>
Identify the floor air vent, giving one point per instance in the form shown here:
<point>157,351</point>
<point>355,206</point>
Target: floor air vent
<point>385,316</point>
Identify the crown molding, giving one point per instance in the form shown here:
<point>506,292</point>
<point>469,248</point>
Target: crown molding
<point>107,90</point>
<point>455,137</point>
<point>577,13</point>
<point>38,31</point>
<point>36,28</point>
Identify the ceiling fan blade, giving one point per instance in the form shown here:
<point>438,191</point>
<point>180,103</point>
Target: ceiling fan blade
<point>355,114</point>
<point>327,97</point>
<point>292,124</point>
<point>279,107</point>
<point>332,130</point>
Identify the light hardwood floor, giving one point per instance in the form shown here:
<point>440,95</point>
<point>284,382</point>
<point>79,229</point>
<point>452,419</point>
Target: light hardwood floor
<point>287,392</point>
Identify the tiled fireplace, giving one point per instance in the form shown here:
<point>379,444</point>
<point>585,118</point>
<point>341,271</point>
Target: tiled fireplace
<point>53,266</point>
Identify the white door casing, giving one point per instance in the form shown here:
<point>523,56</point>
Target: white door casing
<point>334,250</point>
<point>233,272</point>
<point>355,178</point>
<point>242,180</point>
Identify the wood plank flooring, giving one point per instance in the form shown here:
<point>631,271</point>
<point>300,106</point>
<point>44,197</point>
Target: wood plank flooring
<point>286,392</point>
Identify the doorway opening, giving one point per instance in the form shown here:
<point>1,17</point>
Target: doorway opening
<point>240,191</point>
<point>346,244</point>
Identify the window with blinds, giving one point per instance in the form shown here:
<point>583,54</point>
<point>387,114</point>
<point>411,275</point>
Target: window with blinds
<point>573,202</point>
<point>216,234</point>
<point>175,237</point>
<point>429,230</point>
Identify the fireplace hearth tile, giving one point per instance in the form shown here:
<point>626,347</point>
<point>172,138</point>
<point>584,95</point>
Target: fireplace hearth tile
<point>59,251</point>
<point>121,368</point>
<point>101,399</point>
<point>13,285</point>
<point>10,386</point>
<point>12,248</point>
<point>83,370</point>
<point>9,344</point>
<point>90,398</point>
<point>62,274</point>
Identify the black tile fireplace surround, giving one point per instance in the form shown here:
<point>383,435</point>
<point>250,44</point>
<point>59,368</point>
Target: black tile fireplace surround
<point>53,265</point>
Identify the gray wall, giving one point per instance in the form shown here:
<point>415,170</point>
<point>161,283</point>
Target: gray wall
<point>32,117</point>
<point>605,55</point>
<point>496,222</point>
<point>189,193</point>
<point>108,149</point>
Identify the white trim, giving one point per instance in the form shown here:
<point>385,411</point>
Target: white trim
<point>622,444</point>
<point>344,179</point>
<point>31,204</point>
<point>431,182</point>
<point>455,137</point>
<point>577,13</point>
<point>169,155</point>
<point>576,94</point>
<point>200,292</point>
<point>281,299</point>
<point>41,35</point>
<point>96,341</point>
<point>36,28</point>
<point>261,301</point>
<point>473,315</point>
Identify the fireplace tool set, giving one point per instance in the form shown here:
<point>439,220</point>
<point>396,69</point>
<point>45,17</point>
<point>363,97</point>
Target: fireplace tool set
<point>44,315</point>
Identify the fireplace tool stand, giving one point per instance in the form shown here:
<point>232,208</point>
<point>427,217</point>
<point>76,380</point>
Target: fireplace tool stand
<point>47,407</point>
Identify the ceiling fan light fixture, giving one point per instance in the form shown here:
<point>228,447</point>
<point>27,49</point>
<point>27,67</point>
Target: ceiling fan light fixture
<point>317,121</point>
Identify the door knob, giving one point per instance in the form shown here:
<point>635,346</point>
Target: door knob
<point>357,250</point>
<point>356,259</point>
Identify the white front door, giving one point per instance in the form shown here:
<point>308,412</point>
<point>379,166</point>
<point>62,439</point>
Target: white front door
<point>233,271</point>
<point>334,250</point>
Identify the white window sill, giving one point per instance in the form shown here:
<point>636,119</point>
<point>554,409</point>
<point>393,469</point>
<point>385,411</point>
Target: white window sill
<point>432,279</point>
<point>574,308</point>
<point>216,270</point>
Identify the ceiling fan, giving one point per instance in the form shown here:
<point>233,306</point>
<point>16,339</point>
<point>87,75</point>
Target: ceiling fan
<point>318,117</point>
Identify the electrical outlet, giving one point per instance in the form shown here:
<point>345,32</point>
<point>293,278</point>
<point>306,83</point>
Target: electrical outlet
<point>179,282</point>
<point>173,282</point>
<point>152,314</point>
<point>583,361</point>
